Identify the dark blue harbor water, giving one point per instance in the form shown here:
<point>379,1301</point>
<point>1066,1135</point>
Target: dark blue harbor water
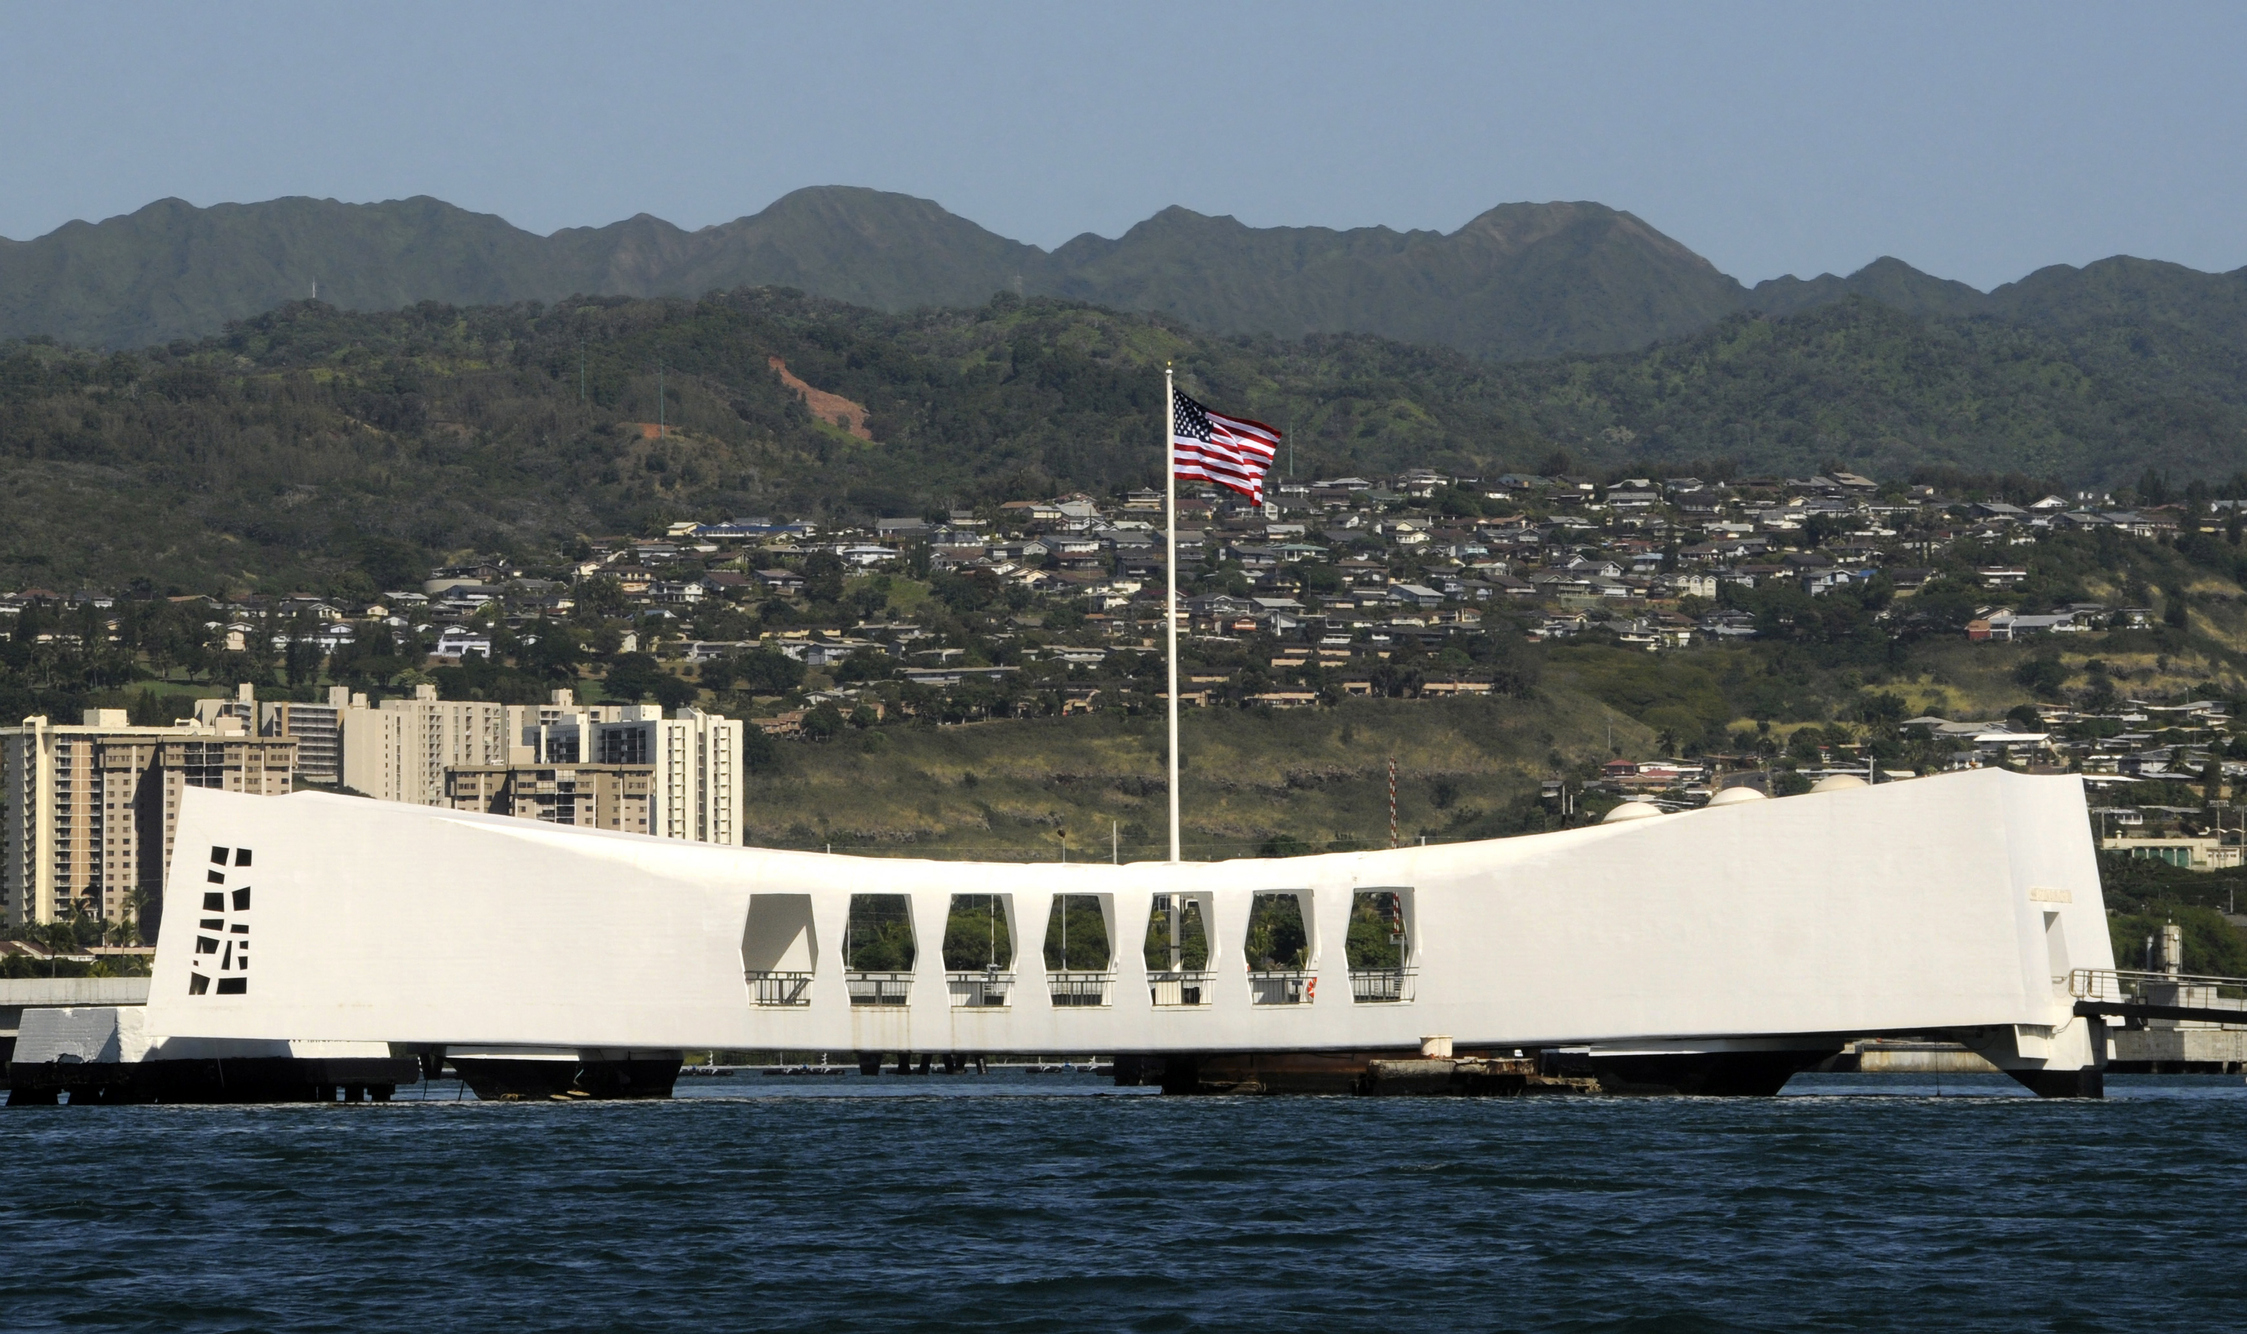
<point>1008,1202</point>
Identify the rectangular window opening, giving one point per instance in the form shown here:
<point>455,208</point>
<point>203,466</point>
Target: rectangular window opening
<point>979,933</point>
<point>878,934</point>
<point>1177,935</point>
<point>1278,939</point>
<point>1379,946</point>
<point>1278,949</point>
<point>1076,935</point>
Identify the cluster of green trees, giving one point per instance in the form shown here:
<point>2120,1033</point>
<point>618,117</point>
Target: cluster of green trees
<point>1890,392</point>
<point>2143,895</point>
<point>74,935</point>
<point>341,452</point>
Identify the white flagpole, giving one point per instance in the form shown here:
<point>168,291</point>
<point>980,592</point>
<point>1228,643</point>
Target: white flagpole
<point>1170,571</point>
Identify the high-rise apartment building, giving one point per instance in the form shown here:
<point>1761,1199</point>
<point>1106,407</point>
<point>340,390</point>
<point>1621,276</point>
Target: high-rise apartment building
<point>317,728</point>
<point>695,757</point>
<point>587,796</point>
<point>603,766</point>
<point>318,732</point>
<point>90,809</point>
<point>400,751</point>
<point>242,707</point>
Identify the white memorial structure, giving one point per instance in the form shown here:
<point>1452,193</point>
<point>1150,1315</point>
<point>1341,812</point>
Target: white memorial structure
<point>1716,950</point>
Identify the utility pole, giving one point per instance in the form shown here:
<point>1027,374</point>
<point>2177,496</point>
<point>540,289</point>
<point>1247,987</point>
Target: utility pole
<point>660,430</point>
<point>581,400</point>
<point>1392,801</point>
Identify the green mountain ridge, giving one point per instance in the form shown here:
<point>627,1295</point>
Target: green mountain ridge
<point>172,270</point>
<point>1519,282</point>
<point>1887,280</point>
<point>2059,296</point>
<point>1522,280</point>
<point>313,447</point>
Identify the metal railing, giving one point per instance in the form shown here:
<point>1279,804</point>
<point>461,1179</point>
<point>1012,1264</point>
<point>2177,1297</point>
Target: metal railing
<point>1180,987</point>
<point>1294,986</point>
<point>2126,984</point>
<point>1381,986</point>
<point>878,988</point>
<point>985,990</point>
<point>768,987</point>
<point>1074,989</point>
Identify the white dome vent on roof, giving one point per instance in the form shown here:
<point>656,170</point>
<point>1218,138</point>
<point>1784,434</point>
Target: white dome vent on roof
<point>1838,783</point>
<point>1733,796</point>
<point>1631,810</point>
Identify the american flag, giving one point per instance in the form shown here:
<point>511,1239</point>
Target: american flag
<point>1233,452</point>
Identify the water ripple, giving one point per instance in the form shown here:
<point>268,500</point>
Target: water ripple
<point>907,1204</point>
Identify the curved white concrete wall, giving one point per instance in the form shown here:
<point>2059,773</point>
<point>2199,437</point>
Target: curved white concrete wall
<point>1901,907</point>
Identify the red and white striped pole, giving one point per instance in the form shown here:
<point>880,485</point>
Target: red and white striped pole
<point>1392,801</point>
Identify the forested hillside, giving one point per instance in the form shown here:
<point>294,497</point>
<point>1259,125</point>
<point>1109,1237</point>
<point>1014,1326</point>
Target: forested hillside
<point>1885,393</point>
<point>2117,291</point>
<point>309,445</point>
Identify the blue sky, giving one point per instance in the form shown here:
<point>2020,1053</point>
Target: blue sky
<point>1975,141</point>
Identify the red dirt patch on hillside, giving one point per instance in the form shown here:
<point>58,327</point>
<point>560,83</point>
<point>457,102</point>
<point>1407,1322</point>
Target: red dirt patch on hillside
<point>827,407</point>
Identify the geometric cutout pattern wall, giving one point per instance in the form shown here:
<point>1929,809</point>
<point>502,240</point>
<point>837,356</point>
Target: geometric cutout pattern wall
<point>222,929</point>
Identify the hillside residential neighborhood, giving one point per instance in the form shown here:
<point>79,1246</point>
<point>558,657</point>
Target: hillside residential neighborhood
<point>1346,564</point>
<point>1406,587</point>
<point>1309,597</point>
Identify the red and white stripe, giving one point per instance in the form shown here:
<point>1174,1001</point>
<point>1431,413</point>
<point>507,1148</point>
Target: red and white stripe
<point>1235,455</point>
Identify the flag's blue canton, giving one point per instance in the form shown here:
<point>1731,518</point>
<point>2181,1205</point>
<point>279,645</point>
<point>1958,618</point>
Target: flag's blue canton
<point>1191,419</point>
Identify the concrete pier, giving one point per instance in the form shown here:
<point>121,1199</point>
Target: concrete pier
<point>2179,1051</point>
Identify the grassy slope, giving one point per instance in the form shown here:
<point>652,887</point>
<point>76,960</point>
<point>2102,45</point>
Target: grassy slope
<point>1293,774</point>
<point>1316,776</point>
